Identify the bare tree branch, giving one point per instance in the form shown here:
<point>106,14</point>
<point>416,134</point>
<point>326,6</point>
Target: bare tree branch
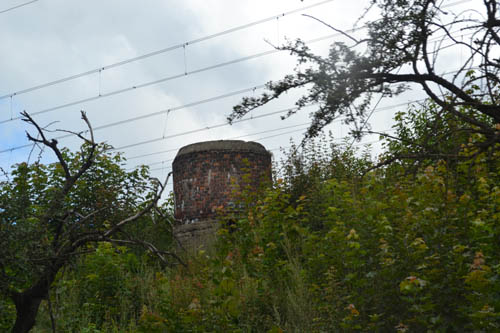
<point>68,231</point>
<point>333,28</point>
<point>149,246</point>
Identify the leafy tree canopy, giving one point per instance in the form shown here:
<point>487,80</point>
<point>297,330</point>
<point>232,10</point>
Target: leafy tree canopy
<point>405,45</point>
<point>51,213</point>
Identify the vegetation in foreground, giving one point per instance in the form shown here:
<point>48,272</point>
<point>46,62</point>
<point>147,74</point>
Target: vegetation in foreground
<point>339,242</point>
<point>332,245</point>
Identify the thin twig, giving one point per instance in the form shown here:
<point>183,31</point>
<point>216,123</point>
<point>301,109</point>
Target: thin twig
<point>333,28</point>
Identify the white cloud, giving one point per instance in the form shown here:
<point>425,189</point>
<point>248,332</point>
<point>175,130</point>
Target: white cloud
<point>51,39</point>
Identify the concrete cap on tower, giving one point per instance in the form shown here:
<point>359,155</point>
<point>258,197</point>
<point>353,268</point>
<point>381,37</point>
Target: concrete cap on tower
<point>225,145</point>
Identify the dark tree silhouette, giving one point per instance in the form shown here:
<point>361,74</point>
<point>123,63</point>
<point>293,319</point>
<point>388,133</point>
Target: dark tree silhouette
<point>406,45</point>
<point>52,213</point>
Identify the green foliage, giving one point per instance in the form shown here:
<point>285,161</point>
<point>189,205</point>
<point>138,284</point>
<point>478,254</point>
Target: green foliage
<point>49,216</point>
<point>105,291</point>
<point>101,281</point>
<point>8,311</point>
<point>27,244</point>
<point>331,246</point>
<point>393,56</point>
<point>329,251</point>
<point>388,252</point>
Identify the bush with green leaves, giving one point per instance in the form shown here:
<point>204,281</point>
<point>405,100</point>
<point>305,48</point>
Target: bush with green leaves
<point>333,245</point>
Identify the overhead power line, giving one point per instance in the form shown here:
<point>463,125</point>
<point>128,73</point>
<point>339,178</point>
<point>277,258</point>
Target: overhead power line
<point>169,78</point>
<point>164,111</point>
<point>157,52</point>
<point>177,108</point>
<point>210,127</point>
<point>237,121</point>
<point>265,138</point>
<point>232,138</point>
<point>256,140</point>
<point>164,79</point>
<point>167,111</point>
<point>259,139</point>
<point>202,129</point>
<point>171,48</point>
<point>173,77</point>
<point>168,168</point>
<point>163,137</point>
<point>18,6</point>
<point>198,130</point>
<point>376,109</point>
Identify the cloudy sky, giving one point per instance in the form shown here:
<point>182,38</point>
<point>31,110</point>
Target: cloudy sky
<point>207,49</point>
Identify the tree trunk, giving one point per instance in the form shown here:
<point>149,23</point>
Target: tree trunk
<point>27,304</point>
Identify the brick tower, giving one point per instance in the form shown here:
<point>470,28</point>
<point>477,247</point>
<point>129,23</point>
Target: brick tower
<point>205,175</point>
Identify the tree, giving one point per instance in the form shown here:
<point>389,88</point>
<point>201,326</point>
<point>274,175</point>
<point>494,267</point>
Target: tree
<point>52,213</point>
<point>404,46</point>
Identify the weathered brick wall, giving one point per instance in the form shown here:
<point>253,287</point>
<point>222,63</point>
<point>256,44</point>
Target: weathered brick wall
<point>206,173</point>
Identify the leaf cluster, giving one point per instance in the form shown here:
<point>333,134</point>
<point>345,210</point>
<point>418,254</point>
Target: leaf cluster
<point>406,45</point>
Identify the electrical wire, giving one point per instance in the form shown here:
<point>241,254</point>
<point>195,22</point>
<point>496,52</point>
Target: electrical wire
<point>204,128</point>
<point>200,129</point>
<point>274,149</point>
<point>173,77</point>
<point>232,138</point>
<point>163,111</point>
<point>154,53</point>
<point>167,111</point>
<point>261,139</point>
<point>97,128</point>
<point>171,48</point>
<point>164,79</point>
<point>326,1</point>
<point>15,7</point>
<point>211,127</point>
<point>241,120</point>
<point>112,93</point>
<point>170,168</point>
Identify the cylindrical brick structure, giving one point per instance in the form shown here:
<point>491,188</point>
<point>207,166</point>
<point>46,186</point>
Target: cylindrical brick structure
<point>206,173</point>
